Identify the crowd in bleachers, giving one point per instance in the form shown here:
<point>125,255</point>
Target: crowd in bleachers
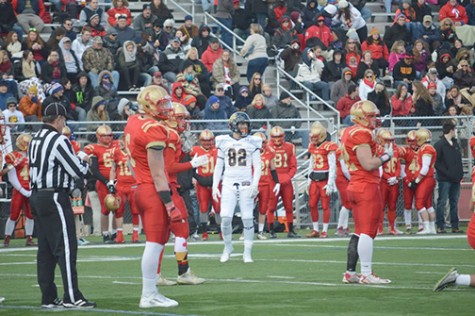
<point>98,51</point>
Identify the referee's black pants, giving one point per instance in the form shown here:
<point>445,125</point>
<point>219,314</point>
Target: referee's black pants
<point>57,244</point>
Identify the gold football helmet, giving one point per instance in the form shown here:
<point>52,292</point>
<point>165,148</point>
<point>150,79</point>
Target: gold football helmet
<point>318,133</point>
<point>178,119</point>
<point>112,202</point>
<point>411,139</point>
<point>155,101</point>
<point>206,139</point>
<point>104,135</point>
<point>66,131</point>
<point>385,136</point>
<point>365,113</point>
<point>22,141</point>
<point>277,136</point>
<point>264,139</point>
<point>423,135</point>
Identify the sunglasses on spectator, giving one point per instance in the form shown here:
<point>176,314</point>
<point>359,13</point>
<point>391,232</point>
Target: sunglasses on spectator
<point>257,78</point>
<point>370,76</point>
<point>68,24</point>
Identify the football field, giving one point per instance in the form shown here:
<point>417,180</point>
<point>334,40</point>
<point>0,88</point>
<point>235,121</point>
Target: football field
<point>288,277</point>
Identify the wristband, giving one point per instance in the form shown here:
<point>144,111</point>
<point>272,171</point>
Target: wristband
<point>165,196</point>
<point>384,158</point>
<point>274,175</point>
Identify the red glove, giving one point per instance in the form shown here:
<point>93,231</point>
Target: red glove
<point>174,214</point>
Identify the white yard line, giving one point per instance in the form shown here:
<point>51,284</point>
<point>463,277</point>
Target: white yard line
<point>92,310</point>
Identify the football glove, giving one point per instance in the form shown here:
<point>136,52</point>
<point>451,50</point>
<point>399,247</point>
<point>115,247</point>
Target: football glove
<point>198,161</point>
<point>216,194</point>
<point>392,181</point>
<point>111,186</point>
<point>174,213</point>
<point>276,189</point>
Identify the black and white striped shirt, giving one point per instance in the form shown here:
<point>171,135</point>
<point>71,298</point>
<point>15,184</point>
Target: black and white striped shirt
<point>53,164</point>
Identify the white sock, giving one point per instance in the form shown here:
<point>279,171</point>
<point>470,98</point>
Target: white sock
<point>463,279</point>
<point>419,220</point>
<point>365,252</point>
<point>248,232</point>
<point>120,229</point>
<point>29,224</point>
<point>9,227</point>
<point>261,228</point>
<point>315,226</point>
<point>432,226</point>
<point>227,231</point>
<point>343,217</point>
<point>150,257</point>
<point>426,225</point>
<point>136,229</point>
<point>408,217</point>
<point>325,227</point>
<point>180,245</point>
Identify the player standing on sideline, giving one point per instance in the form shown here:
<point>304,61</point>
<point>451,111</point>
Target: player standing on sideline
<point>409,167</point>
<point>121,175</point>
<point>359,150</point>
<point>342,180</point>
<point>424,182</point>
<point>19,178</point>
<point>177,123</point>
<point>53,167</point>
<point>321,177</point>
<point>268,185</point>
<point>67,132</point>
<point>101,163</point>
<point>204,181</point>
<point>389,181</point>
<point>239,166</point>
<point>145,139</point>
<point>286,165</point>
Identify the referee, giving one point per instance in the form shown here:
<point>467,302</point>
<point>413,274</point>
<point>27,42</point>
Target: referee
<point>53,168</point>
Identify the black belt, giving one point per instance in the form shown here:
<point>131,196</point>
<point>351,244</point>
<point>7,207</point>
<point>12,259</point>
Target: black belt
<point>57,190</point>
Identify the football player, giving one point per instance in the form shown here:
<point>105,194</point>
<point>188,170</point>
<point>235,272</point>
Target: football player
<point>321,177</point>
<point>342,179</point>
<point>124,181</point>
<point>177,123</point>
<point>424,182</point>
<point>101,163</point>
<point>67,132</point>
<point>286,165</point>
<point>389,181</point>
<point>268,185</point>
<point>409,167</point>
<point>204,181</point>
<point>239,167</point>
<point>19,178</point>
<point>359,150</point>
<point>145,139</point>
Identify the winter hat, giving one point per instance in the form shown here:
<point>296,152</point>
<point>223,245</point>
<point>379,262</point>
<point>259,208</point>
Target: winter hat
<point>157,74</point>
<point>188,17</point>
<point>427,18</point>
<point>97,100</point>
<point>97,39</point>
<point>189,99</point>
<point>406,1</point>
<point>95,15</point>
<point>146,6</point>
<point>342,4</point>
<point>374,31</point>
<point>3,83</point>
<point>33,89</point>
<point>322,3</point>
<point>169,22</point>
<point>284,95</point>
<point>432,85</point>
<point>11,100</point>
<point>294,16</point>
<point>55,88</point>
<point>213,99</point>
<point>243,88</point>
<point>122,103</point>
<point>330,9</point>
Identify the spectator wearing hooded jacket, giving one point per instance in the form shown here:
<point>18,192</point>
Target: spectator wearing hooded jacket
<point>91,9</point>
<point>320,31</point>
<point>201,42</point>
<point>212,53</point>
<point>455,12</point>
<point>275,14</point>
<point>284,34</point>
<point>159,37</point>
<point>175,55</point>
<point>178,93</point>
<point>243,99</point>
<point>83,92</point>
<point>213,111</point>
<point>30,106</point>
<point>334,68</point>
<point>340,88</point>
<point>129,65</point>
<point>309,13</point>
<point>398,31</point>
<point>68,59</point>
<point>309,74</point>
<point>432,77</point>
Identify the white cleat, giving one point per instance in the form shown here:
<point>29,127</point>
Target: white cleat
<point>157,300</point>
<point>261,236</point>
<point>373,279</point>
<point>247,258</point>
<point>226,255</point>
<point>447,280</point>
<point>423,232</point>
<point>161,281</point>
<point>188,278</point>
<point>350,278</point>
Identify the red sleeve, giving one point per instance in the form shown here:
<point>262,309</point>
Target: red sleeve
<point>41,6</point>
<point>172,166</point>
<point>443,13</point>
<point>292,161</point>
<point>463,14</point>
<point>89,149</point>
<point>361,136</point>
<point>385,52</point>
<point>397,153</point>
<point>332,146</point>
<point>10,158</point>
<point>472,145</point>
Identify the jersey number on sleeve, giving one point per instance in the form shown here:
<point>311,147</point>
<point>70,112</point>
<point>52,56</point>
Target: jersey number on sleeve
<point>237,157</point>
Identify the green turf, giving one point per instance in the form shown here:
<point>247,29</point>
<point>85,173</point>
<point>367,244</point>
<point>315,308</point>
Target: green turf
<point>288,277</point>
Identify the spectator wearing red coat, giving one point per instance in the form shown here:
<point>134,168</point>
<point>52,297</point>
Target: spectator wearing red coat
<point>211,54</point>
<point>352,55</point>
<point>119,7</point>
<point>454,11</point>
<point>401,101</point>
<point>321,31</point>
<point>379,51</point>
<point>344,104</point>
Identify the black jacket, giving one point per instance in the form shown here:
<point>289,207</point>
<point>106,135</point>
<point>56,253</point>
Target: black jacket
<point>448,163</point>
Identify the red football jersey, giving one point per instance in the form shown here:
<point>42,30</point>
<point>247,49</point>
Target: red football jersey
<point>339,172</point>
<point>427,150</point>
<point>320,155</point>
<point>212,153</point>
<point>266,158</point>
<point>76,146</point>
<point>472,145</point>
<point>409,156</point>
<point>353,137</point>
<point>285,161</point>
<point>173,155</point>
<point>143,132</point>
<point>392,168</point>
<point>104,157</point>
<point>22,169</point>
<point>123,173</point>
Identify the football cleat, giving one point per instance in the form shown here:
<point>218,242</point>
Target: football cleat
<point>347,231</point>
<point>204,236</point>
<point>423,232</point>
<point>188,278</point>
<point>83,242</point>
<point>324,235</point>
<point>395,232</point>
<point>292,234</point>
<point>82,303</point>
<point>56,304</point>
<point>408,229</point>
<point>107,239</point>
<point>246,256</point>
<point>313,234</point>
<point>6,241</point>
<point>157,300</point>
<point>261,236</point>
<point>120,238</point>
<point>340,232</point>
<point>135,237</point>
<point>226,255</point>
<point>447,280</point>
<point>373,279</point>
<point>272,235</point>
<point>349,278</point>
<point>30,242</point>
<point>161,281</point>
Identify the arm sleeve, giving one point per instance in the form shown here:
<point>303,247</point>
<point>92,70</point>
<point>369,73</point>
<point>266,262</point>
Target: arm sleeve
<point>425,165</point>
<point>95,170</point>
<point>172,166</point>
<point>13,179</point>
<point>218,171</point>
<point>256,164</point>
<point>344,169</point>
<point>332,167</point>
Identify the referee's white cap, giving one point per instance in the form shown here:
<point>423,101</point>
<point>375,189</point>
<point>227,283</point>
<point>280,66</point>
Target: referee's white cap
<point>55,109</point>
